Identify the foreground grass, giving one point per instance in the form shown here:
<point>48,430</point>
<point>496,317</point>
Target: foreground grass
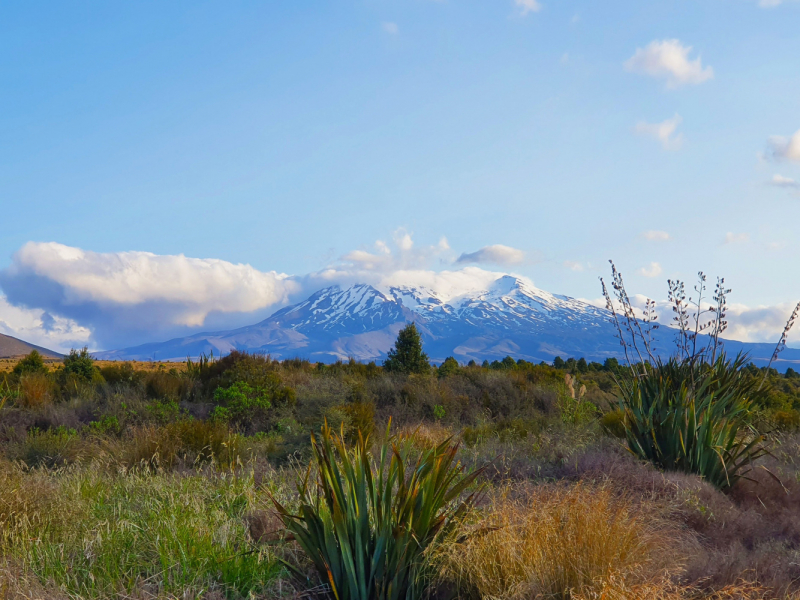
<point>91,534</point>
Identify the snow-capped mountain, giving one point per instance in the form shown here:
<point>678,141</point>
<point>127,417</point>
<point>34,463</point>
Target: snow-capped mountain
<point>509,317</point>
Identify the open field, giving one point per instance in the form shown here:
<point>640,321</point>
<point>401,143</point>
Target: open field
<point>8,364</point>
<point>158,483</point>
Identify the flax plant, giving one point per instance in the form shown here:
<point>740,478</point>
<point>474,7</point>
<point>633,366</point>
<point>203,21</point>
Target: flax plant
<point>367,524</point>
<point>693,417</point>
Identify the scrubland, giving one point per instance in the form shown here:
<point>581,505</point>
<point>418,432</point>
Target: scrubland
<point>117,482</point>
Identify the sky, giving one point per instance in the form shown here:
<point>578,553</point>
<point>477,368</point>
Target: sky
<point>184,166</point>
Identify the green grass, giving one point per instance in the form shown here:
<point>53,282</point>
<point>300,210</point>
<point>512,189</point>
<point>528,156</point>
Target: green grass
<point>95,536</point>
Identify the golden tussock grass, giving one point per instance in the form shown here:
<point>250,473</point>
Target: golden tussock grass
<point>559,541</point>
<point>36,390</point>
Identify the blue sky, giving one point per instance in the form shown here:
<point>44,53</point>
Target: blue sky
<point>286,136</point>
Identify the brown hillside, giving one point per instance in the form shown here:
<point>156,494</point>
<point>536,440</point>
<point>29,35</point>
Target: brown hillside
<point>11,347</point>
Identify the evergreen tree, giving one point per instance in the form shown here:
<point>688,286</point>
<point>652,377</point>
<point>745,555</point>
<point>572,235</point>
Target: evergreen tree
<point>407,355</point>
<point>509,363</point>
<point>450,366</point>
<point>80,363</point>
<point>33,363</point>
<point>559,363</point>
<point>583,367</point>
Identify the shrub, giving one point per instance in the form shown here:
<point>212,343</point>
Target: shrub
<point>693,416</point>
<point>788,420</point>
<point>351,419</point>
<point>120,373</point>
<point>240,401</point>
<point>166,386</point>
<point>613,423</point>
<point>366,526</point>
<point>163,411</point>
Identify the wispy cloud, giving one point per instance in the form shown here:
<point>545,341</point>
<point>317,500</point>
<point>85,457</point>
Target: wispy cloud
<point>736,238</point>
<point>390,28</point>
<point>656,236</point>
<point>528,6</point>
<point>573,265</point>
<point>783,148</point>
<point>669,60</point>
<point>784,182</point>
<point>652,270</point>
<point>771,3</point>
<point>664,132</point>
<point>496,254</point>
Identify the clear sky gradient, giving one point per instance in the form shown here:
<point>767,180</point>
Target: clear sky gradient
<point>286,135</point>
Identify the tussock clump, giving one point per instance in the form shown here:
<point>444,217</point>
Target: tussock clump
<point>557,540</point>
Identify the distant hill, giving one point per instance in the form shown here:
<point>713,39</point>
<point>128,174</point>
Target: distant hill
<point>11,347</point>
<point>509,317</point>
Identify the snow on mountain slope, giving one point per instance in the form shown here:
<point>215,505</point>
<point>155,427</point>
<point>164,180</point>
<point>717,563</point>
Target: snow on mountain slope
<point>509,316</point>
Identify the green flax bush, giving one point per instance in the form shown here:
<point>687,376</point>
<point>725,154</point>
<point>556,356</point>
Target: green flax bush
<point>366,524</point>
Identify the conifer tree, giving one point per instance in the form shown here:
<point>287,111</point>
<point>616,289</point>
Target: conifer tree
<point>407,355</point>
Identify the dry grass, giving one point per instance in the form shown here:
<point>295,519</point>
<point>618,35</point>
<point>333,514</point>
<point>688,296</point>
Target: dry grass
<point>36,390</point>
<point>558,541</point>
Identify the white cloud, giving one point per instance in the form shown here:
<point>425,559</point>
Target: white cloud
<point>122,293</point>
<point>783,148</point>
<point>784,182</point>
<point>736,238</point>
<point>652,270</point>
<point>759,323</point>
<point>528,6</point>
<point>664,132</point>
<point>756,324</point>
<point>40,328</point>
<point>390,28</point>
<point>573,265</point>
<point>656,236</point>
<point>669,60</point>
<point>496,254</point>
<point>771,3</point>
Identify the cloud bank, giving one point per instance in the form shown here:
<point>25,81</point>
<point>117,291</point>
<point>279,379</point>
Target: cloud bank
<point>60,297</point>
<point>128,295</point>
<point>669,60</point>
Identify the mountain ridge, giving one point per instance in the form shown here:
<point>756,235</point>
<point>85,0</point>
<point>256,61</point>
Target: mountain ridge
<point>509,317</point>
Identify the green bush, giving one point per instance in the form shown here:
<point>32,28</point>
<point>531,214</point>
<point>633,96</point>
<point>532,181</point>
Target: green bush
<point>81,364</point>
<point>694,417</point>
<point>366,525</point>
<point>32,363</point>
<point>240,401</point>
